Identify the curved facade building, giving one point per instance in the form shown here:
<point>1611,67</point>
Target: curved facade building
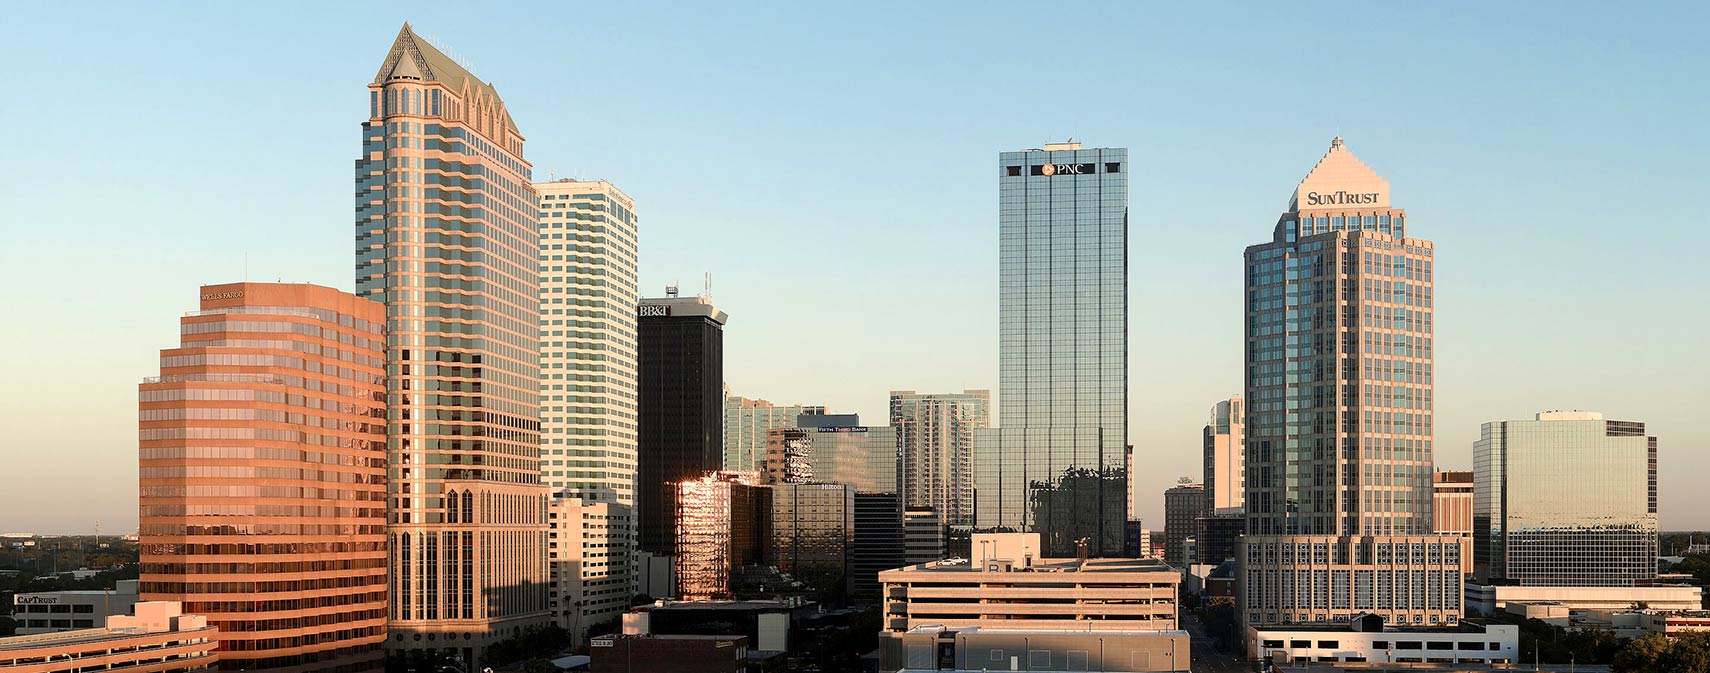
<point>447,237</point>
<point>263,483</point>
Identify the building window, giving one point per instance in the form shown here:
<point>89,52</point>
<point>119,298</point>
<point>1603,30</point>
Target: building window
<point>1015,171</point>
<point>1113,167</point>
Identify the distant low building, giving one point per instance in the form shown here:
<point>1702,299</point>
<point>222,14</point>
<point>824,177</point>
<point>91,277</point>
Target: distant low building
<point>680,654</point>
<point>974,648</point>
<point>923,536</point>
<point>50,611</point>
<point>1367,640</point>
<point>1488,600</point>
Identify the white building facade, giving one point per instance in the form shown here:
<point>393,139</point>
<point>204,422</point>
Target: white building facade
<point>588,395</point>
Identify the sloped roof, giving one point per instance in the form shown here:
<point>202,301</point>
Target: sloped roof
<point>1340,171</point>
<point>413,56</point>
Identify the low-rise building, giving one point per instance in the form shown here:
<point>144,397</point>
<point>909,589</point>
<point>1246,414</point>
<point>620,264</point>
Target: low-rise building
<point>976,648</point>
<point>623,653</point>
<point>157,639</point>
<point>1673,623</point>
<point>1485,599</point>
<point>1008,585</point>
<point>591,556</point>
<point>50,611</point>
<point>923,536</point>
<point>1367,640</point>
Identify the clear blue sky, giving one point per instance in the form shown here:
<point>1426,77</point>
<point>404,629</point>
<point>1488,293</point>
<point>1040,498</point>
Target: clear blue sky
<point>833,167</point>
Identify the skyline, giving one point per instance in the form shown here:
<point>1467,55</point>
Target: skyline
<point>183,196</point>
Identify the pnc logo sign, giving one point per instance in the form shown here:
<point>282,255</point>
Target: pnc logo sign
<point>1049,170</point>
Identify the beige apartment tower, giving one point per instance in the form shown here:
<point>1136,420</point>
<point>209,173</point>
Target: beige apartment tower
<point>1225,450</point>
<point>447,237</point>
<point>588,396</point>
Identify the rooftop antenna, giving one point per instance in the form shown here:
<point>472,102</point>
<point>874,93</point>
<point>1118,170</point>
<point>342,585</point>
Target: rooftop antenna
<point>709,286</point>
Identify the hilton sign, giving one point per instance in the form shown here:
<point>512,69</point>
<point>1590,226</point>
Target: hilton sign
<point>1340,198</point>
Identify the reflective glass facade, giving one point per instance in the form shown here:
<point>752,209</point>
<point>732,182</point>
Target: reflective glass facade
<point>746,421</point>
<point>680,365</point>
<point>1057,464</point>
<point>263,476</point>
<point>936,436</point>
<point>447,237</point>
<point>813,533</point>
<point>1567,499</point>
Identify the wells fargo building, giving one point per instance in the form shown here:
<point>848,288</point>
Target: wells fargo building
<point>447,237</point>
<point>263,497</point>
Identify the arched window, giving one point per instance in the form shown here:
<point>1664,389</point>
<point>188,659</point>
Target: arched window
<point>451,507</point>
<point>469,507</point>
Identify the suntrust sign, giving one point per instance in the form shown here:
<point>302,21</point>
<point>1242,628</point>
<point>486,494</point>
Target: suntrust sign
<point>1340,198</point>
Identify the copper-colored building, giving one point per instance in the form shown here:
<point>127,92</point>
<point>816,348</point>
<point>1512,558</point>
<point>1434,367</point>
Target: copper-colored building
<point>263,482</point>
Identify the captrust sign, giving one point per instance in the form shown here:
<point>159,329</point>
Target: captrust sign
<point>1340,198</point>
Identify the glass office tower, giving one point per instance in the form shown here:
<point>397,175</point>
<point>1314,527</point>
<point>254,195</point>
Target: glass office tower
<point>1565,499</point>
<point>1056,466</point>
<point>447,237</point>
<point>1338,366</point>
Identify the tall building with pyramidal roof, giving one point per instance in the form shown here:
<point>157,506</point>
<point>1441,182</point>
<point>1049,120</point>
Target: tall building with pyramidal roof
<point>1338,366</point>
<point>447,237</point>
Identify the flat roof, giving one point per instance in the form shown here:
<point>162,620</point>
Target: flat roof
<point>1464,626</point>
<point>83,636</point>
<point>1050,565</point>
<point>934,628</point>
<point>721,605</point>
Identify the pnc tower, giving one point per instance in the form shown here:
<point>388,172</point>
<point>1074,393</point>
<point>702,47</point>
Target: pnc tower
<point>1338,368</point>
<point>1057,465</point>
<point>447,237</point>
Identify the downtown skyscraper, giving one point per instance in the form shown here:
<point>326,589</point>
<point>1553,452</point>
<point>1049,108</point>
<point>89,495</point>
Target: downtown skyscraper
<point>1338,367</point>
<point>1057,464</point>
<point>588,292</point>
<point>262,453</point>
<point>447,237</point>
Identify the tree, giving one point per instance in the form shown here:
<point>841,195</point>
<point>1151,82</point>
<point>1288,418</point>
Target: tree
<point>1657,653</point>
<point>539,665</point>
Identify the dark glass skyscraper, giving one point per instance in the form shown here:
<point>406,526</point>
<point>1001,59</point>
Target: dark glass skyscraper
<point>1056,464</point>
<point>680,437</point>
